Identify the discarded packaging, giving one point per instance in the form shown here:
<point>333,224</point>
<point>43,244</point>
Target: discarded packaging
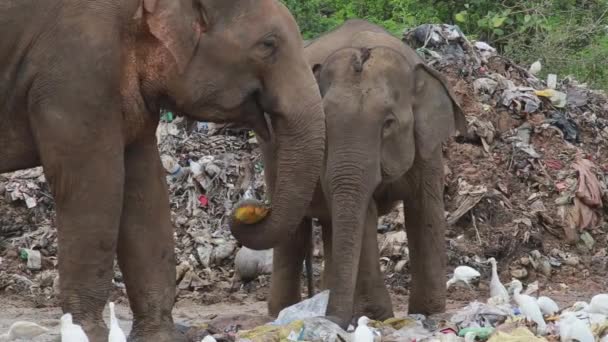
<point>311,307</point>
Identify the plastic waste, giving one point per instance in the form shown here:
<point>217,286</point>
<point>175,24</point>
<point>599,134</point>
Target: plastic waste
<point>535,68</point>
<point>321,329</point>
<point>485,85</point>
<point>415,332</point>
<point>481,333</point>
<point>558,99</point>
<point>551,81</point>
<point>168,117</point>
<point>520,334</point>
<point>308,308</point>
<point>33,257</point>
<point>477,314</point>
<point>271,333</point>
<point>249,263</point>
<point>172,167</point>
<point>521,99</point>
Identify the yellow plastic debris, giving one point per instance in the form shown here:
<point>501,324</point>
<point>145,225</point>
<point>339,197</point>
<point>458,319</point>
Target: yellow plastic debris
<point>558,99</point>
<point>395,323</point>
<point>251,212</point>
<point>520,334</point>
<point>600,330</point>
<point>271,333</point>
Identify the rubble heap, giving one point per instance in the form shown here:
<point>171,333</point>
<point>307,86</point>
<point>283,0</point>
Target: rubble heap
<point>525,185</point>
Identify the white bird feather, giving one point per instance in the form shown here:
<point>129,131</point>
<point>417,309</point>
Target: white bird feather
<point>497,289</point>
<point>363,333</point>
<point>547,305</point>
<point>71,332</point>
<point>23,330</point>
<point>529,307</point>
<point>572,329</point>
<point>598,304</point>
<point>464,274</point>
<point>116,333</point>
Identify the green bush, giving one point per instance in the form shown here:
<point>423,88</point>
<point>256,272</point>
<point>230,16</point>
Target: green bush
<point>568,36</point>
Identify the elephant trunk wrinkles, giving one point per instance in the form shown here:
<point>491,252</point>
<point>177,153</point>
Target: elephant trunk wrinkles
<point>300,146</point>
<point>352,178</point>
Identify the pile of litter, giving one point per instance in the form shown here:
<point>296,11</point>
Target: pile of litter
<point>478,321</point>
<point>525,185</point>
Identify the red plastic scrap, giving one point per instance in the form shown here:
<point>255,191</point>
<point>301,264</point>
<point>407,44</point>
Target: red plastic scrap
<point>554,164</point>
<point>589,190</point>
<point>203,200</point>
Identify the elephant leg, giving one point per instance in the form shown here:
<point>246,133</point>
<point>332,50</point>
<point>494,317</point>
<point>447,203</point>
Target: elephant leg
<point>372,298</point>
<point>425,226</point>
<point>327,236</point>
<point>83,164</point>
<point>145,246</point>
<point>287,262</point>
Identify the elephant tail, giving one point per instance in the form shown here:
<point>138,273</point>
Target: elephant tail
<point>310,282</point>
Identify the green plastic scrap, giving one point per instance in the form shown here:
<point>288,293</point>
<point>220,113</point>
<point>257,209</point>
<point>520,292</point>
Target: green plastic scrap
<point>481,333</point>
<point>23,254</point>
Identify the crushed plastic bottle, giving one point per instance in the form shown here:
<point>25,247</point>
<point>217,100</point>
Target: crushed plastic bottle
<point>172,167</point>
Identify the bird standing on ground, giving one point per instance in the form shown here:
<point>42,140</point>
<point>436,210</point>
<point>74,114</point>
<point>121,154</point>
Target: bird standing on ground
<point>71,332</point>
<point>529,307</point>
<point>497,289</point>
<point>363,333</point>
<point>23,330</point>
<point>547,305</point>
<point>598,304</point>
<point>463,273</point>
<point>116,334</point>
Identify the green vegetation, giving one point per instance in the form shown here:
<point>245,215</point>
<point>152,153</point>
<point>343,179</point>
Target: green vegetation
<point>570,37</point>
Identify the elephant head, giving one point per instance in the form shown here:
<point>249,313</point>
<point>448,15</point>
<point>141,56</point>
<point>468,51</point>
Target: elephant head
<point>234,60</point>
<point>384,109</point>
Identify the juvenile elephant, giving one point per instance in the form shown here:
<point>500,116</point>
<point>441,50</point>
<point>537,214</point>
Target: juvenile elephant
<point>387,114</point>
<point>81,86</point>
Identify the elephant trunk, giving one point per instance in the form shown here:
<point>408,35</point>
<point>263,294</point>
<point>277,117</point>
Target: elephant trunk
<point>298,148</point>
<point>351,180</point>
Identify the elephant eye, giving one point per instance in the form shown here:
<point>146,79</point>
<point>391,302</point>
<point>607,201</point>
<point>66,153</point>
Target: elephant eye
<point>388,125</point>
<point>268,45</point>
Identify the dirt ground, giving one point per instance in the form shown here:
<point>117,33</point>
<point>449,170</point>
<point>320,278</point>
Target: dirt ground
<point>193,313</point>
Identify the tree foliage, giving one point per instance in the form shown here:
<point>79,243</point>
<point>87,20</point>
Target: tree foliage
<point>568,36</point>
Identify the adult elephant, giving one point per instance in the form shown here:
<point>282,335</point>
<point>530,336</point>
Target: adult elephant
<point>387,114</point>
<point>81,85</point>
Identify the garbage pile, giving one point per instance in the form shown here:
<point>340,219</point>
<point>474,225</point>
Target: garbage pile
<point>506,321</point>
<point>526,185</point>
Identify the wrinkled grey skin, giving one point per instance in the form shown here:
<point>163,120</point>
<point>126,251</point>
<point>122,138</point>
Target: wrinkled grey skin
<point>387,114</point>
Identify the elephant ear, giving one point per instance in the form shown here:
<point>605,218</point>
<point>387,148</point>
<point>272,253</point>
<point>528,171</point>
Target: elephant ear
<point>178,25</point>
<point>316,70</point>
<point>437,114</point>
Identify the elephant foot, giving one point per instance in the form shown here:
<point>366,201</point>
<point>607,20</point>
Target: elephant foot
<point>95,332</point>
<point>341,322</point>
<point>428,307</point>
<point>169,335</point>
<point>376,312</point>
